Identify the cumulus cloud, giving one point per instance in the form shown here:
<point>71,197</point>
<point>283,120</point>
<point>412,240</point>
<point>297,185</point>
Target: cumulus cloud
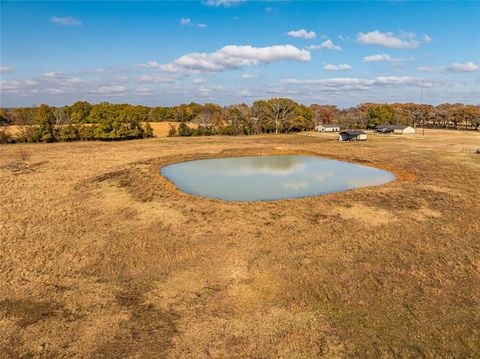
<point>302,33</point>
<point>53,75</point>
<point>455,67</point>
<point>327,44</point>
<point>110,90</point>
<point>207,90</point>
<point>155,79</point>
<point>388,39</point>
<point>224,3</point>
<point>465,67</point>
<point>342,67</point>
<point>232,57</point>
<point>6,69</point>
<point>354,83</point>
<point>397,80</point>
<point>67,20</point>
<point>386,58</point>
<point>428,68</point>
<point>332,82</point>
<point>198,81</point>
<point>377,58</point>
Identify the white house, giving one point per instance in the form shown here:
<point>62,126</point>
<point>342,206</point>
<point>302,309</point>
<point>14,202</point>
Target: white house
<point>352,135</point>
<point>327,128</point>
<point>399,129</point>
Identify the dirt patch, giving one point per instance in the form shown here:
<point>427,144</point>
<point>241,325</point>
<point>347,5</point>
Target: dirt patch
<point>368,216</point>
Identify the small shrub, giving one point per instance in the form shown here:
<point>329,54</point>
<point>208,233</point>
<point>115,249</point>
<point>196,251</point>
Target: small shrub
<point>184,130</point>
<point>148,130</point>
<point>5,137</point>
<point>172,132</point>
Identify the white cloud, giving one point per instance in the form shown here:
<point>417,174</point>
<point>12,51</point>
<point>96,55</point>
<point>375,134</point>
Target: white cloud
<point>244,93</point>
<point>188,22</point>
<point>6,69</point>
<point>110,90</point>
<point>332,82</point>
<point>427,39</point>
<point>465,67</point>
<point>249,76</point>
<point>150,65</point>
<point>53,75</point>
<point>155,79</point>
<point>327,44</point>
<point>224,3</point>
<point>15,86</point>
<point>353,83</point>
<point>342,67</point>
<point>232,57</point>
<point>455,67</point>
<point>68,20</point>
<point>388,39</point>
<point>386,58</point>
<point>377,58</point>
<point>207,90</point>
<point>302,33</point>
<point>397,80</point>
<point>428,68</point>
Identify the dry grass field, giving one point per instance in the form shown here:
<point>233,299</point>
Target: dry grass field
<point>101,257</point>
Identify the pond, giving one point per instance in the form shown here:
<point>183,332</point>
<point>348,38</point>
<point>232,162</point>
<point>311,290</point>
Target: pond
<point>264,178</point>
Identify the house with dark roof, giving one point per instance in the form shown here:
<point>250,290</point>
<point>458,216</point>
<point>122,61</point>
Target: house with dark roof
<point>398,129</point>
<point>327,128</point>
<point>352,135</point>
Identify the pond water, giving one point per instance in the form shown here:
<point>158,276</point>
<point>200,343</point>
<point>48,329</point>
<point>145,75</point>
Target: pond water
<point>263,178</point>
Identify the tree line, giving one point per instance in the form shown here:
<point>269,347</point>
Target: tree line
<point>106,121</point>
<point>81,121</point>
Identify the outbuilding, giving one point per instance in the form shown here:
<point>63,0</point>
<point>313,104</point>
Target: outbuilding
<point>327,128</point>
<point>352,135</point>
<point>398,129</point>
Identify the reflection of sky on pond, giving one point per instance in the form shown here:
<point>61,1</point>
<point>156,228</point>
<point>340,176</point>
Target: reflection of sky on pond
<point>271,177</point>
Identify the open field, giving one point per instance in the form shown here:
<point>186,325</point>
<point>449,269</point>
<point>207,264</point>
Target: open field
<point>100,256</point>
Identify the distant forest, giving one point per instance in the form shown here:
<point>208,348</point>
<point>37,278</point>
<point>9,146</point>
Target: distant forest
<point>106,121</point>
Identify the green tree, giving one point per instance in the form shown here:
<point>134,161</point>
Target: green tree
<point>148,130</point>
<point>379,115</point>
<point>172,132</point>
<point>44,120</point>
<point>79,111</point>
<point>68,133</point>
<point>184,130</point>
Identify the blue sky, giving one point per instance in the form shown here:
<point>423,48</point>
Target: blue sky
<point>224,51</point>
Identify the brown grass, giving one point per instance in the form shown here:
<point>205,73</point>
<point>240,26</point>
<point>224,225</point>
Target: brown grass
<point>160,129</point>
<point>100,256</point>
